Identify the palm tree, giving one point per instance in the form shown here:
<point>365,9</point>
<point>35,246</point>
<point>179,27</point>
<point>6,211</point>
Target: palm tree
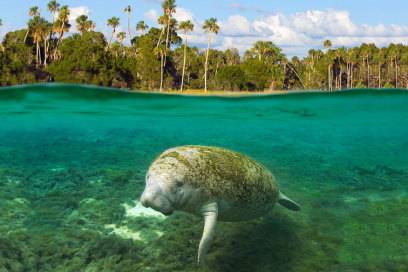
<point>169,8</point>
<point>53,7</point>
<point>83,24</point>
<point>394,56</point>
<point>327,45</point>
<point>47,30</point>
<point>379,59</point>
<point>121,36</point>
<point>141,26</point>
<point>161,21</point>
<point>128,10</point>
<point>90,25</point>
<point>210,26</point>
<point>61,25</point>
<point>263,49</point>
<point>1,46</point>
<point>39,27</point>
<point>33,12</point>
<point>186,27</point>
<point>159,51</point>
<point>114,23</point>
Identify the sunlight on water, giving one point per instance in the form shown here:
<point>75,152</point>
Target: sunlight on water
<point>73,160</point>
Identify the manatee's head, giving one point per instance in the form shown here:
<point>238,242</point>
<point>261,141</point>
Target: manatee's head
<point>166,189</point>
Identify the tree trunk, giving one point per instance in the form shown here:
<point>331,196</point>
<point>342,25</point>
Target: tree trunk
<point>379,76</point>
<point>36,54</point>
<point>368,73</point>
<point>59,40</point>
<point>26,35</point>
<point>161,71</point>
<point>167,40</point>
<point>351,75</point>
<point>329,78</point>
<point>129,28</point>
<point>396,73</point>
<point>160,37</point>
<point>184,65</point>
<point>39,53</point>
<point>206,63</point>
<point>45,52</point>
<point>110,41</point>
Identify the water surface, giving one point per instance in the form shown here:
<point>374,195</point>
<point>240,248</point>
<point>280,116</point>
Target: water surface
<point>73,160</point>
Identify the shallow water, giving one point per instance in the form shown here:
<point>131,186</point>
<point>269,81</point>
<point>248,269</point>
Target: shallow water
<point>73,159</point>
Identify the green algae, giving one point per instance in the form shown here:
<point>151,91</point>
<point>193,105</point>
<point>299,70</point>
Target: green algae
<point>66,179</point>
<point>224,173</point>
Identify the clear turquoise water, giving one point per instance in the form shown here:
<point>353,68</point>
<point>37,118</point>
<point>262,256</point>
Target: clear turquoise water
<point>72,157</point>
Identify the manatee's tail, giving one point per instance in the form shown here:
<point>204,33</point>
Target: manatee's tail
<point>288,203</point>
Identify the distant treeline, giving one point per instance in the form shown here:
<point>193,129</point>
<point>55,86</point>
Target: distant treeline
<point>159,59</point>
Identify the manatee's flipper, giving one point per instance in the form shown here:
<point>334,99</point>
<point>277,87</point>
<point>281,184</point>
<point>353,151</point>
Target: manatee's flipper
<point>288,203</point>
<point>210,213</point>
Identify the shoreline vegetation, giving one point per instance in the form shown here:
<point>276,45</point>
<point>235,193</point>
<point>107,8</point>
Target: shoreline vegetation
<point>197,92</point>
<point>160,59</point>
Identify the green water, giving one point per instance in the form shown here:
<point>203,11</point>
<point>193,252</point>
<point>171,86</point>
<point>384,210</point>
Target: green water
<point>72,158</point>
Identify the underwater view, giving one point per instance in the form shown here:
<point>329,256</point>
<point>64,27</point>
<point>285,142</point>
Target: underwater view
<point>73,161</point>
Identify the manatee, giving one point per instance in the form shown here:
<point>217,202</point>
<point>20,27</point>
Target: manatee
<point>212,182</point>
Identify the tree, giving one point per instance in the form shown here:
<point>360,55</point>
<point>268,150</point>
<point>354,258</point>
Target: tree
<point>263,50</point>
<point>186,27</point>
<point>33,12</point>
<point>257,74</point>
<point>147,71</point>
<point>114,23</point>
<point>210,27</point>
<point>83,60</point>
<point>231,77</point>
<point>327,45</point>
<point>84,24</point>
<point>121,37</point>
<point>53,7</point>
<point>169,8</point>
<point>40,28</point>
<point>160,52</point>
<point>16,66</point>
<point>128,11</point>
<point>232,56</point>
<point>163,47</point>
<point>141,27</point>
<point>1,46</point>
<point>271,55</point>
<point>61,25</point>
<point>379,59</point>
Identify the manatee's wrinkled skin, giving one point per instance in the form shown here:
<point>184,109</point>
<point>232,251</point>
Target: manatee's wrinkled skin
<point>212,182</point>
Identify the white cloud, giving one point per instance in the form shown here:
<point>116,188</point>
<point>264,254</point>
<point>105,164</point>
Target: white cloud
<point>236,25</point>
<point>152,15</point>
<point>183,15</point>
<point>297,33</point>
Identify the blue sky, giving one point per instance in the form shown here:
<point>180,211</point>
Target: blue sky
<point>295,25</point>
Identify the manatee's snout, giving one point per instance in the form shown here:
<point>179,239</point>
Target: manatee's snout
<point>153,197</point>
<point>144,199</point>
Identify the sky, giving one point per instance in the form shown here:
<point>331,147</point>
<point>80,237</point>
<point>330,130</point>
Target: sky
<point>294,25</point>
